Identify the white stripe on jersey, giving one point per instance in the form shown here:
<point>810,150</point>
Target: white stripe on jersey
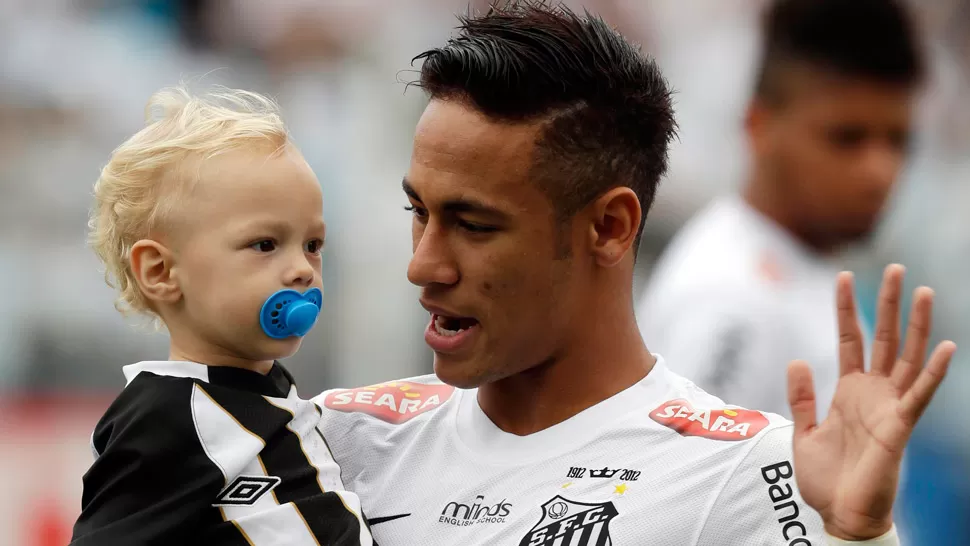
<point>227,443</point>
<point>171,369</point>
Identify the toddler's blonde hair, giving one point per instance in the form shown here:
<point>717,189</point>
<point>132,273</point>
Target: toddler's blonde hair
<point>142,181</point>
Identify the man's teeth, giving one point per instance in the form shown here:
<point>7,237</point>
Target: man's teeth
<point>441,326</point>
<point>444,325</point>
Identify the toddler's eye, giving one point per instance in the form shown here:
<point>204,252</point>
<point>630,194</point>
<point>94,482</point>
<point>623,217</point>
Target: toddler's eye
<point>314,246</point>
<point>265,245</point>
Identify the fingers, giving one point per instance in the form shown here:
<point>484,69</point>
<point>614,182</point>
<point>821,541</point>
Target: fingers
<point>917,338</point>
<point>851,357</point>
<point>886,342</point>
<point>801,397</point>
<point>914,402</point>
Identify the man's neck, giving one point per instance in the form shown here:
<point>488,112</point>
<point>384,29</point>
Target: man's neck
<point>609,357</point>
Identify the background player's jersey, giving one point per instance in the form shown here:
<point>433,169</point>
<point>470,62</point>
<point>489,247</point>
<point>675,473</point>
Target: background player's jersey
<point>192,454</point>
<point>660,464</point>
<point>734,299</point>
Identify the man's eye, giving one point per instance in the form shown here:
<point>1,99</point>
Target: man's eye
<point>847,137</point>
<point>475,228</point>
<point>266,245</point>
<point>417,211</point>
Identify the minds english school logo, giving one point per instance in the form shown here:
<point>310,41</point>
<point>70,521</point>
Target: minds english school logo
<point>478,511</point>
<point>575,523</point>
<point>394,402</point>
<point>729,424</point>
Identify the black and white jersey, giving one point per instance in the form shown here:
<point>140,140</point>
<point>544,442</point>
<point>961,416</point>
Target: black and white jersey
<point>193,454</point>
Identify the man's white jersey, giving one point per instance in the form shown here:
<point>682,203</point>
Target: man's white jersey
<point>734,299</point>
<point>661,463</point>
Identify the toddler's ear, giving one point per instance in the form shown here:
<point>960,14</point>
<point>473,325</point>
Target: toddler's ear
<point>152,263</point>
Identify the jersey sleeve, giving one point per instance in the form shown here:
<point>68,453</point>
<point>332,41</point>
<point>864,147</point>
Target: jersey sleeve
<point>760,505</point>
<point>728,346</point>
<point>151,480</point>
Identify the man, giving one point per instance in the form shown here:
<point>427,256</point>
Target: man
<point>552,424</point>
<point>747,286</point>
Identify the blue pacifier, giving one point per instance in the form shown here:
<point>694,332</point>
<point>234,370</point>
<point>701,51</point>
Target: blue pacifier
<point>290,313</point>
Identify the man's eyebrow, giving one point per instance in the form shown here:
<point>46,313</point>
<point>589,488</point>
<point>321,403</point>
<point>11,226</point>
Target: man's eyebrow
<point>409,189</point>
<point>458,204</point>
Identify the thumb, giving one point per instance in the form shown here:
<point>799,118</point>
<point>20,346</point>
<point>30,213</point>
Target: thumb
<point>801,397</point>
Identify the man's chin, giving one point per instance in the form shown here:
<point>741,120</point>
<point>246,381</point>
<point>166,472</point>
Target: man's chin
<point>460,372</point>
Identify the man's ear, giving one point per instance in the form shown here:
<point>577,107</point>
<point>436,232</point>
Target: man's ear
<point>614,226</point>
<point>758,126</point>
<point>152,264</point>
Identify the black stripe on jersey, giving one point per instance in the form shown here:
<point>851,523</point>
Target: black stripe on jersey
<point>325,514</point>
<point>229,535</point>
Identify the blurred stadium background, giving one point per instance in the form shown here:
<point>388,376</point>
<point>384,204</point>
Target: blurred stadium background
<point>75,74</point>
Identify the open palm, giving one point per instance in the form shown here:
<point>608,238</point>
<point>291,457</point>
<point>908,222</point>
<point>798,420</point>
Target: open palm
<point>847,466</point>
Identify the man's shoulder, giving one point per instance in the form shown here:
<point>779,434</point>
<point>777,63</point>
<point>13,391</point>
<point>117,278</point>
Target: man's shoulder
<point>391,402</point>
<point>692,412</point>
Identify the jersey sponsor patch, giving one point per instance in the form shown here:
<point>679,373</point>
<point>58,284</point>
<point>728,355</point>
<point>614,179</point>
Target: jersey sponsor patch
<point>569,522</point>
<point>463,514</point>
<point>729,424</point>
<point>394,402</point>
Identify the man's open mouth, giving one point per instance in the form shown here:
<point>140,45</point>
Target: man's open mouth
<point>452,326</point>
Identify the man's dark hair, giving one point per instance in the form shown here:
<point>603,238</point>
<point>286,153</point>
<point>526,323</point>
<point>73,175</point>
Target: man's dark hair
<point>872,40</point>
<point>607,109</point>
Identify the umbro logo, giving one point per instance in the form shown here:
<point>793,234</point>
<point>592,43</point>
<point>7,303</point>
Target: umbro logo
<point>246,490</point>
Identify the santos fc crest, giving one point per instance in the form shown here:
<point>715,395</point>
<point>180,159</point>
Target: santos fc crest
<point>575,523</point>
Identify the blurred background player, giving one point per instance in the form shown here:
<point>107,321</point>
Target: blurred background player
<point>828,127</point>
<point>210,222</point>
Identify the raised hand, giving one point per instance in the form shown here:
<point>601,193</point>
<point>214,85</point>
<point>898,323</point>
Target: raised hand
<point>847,466</point>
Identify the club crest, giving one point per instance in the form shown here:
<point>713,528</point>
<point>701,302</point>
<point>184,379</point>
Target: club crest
<point>575,523</point>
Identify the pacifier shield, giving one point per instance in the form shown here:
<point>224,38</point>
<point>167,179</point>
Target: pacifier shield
<point>290,313</point>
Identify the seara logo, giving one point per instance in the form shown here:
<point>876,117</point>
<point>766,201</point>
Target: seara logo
<point>394,402</point>
<point>728,424</point>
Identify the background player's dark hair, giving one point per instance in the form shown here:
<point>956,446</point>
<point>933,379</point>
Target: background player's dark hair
<point>868,39</point>
<point>607,110</point>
